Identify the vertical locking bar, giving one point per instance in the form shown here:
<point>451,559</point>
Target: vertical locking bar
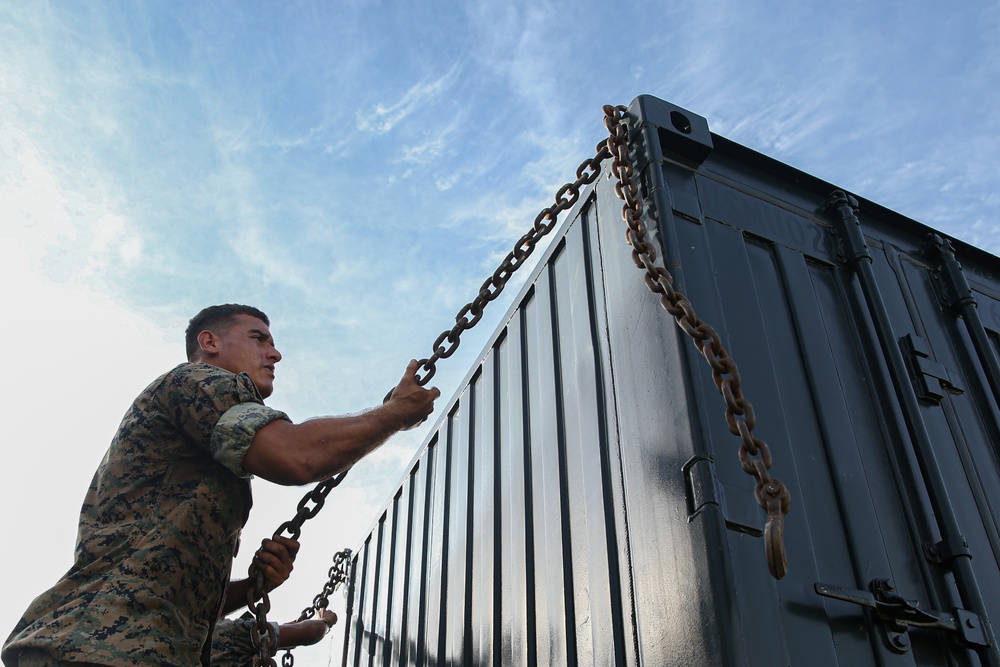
<point>956,294</point>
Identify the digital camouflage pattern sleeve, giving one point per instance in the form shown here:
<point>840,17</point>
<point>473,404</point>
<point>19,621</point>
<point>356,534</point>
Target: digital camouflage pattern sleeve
<point>158,528</point>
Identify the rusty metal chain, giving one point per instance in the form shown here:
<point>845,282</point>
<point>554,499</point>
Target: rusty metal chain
<point>565,198</point>
<point>754,454</point>
<point>338,575</point>
<point>262,634</point>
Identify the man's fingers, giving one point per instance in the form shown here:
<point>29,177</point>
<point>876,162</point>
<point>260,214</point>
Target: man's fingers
<point>282,547</point>
<point>265,558</point>
<point>279,542</point>
<point>275,558</point>
<point>415,403</point>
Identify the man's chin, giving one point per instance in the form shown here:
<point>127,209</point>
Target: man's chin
<point>265,387</point>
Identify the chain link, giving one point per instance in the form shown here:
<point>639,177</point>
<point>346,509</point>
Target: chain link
<point>565,199</point>
<point>262,634</point>
<point>338,575</point>
<point>754,454</point>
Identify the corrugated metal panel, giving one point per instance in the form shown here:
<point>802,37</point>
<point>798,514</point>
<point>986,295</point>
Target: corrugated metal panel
<point>508,519</point>
<point>581,502</point>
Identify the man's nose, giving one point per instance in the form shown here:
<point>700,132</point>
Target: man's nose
<point>274,354</point>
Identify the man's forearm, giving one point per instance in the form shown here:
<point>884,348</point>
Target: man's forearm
<point>236,596</point>
<point>296,454</point>
<point>293,454</point>
<point>303,633</point>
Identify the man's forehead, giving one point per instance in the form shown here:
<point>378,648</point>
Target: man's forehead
<point>250,323</point>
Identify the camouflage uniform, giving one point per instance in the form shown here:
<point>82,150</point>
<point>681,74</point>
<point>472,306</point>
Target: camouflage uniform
<point>158,529</point>
<point>231,645</point>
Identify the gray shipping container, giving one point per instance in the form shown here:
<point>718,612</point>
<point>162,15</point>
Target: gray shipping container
<point>581,500</point>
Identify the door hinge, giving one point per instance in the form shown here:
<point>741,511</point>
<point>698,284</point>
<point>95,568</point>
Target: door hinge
<point>897,614</point>
<point>705,490</point>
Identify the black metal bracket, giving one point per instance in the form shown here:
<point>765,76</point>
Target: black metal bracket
<point>850,238</point>
<point>953,287</point>
<point>930,378</point>
<point>947,550</point>
<point>705,490</point>
<point>897,615</point>
<point>681,136</point>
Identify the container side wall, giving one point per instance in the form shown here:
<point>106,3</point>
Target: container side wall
<point>509,551</point>
<point>592,557</point>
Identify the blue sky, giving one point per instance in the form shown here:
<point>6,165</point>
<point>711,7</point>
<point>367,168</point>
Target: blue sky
<point>357,169</point>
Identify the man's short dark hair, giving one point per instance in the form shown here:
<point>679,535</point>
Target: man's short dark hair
<point>216,319</point>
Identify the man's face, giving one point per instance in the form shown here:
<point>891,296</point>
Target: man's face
<point>247,347</point>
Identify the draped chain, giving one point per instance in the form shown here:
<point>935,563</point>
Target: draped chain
<point>754,454</point>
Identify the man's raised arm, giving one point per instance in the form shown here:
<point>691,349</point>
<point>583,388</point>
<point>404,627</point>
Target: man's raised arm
<point>295,454</point>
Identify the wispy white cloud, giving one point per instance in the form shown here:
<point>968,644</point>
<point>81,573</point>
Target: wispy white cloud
<point>438,154</point>
<point>267,262</point>
<point>55,208</point>
<point>383,118</point>
<point>425,152</point>
<point>242,225</point>
<point>291,143</point>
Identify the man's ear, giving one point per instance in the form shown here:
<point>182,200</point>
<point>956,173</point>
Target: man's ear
<point>208,342</point>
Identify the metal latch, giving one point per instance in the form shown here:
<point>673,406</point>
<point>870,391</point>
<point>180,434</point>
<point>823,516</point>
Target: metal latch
<point>931,379</point>
<point>897,614</point>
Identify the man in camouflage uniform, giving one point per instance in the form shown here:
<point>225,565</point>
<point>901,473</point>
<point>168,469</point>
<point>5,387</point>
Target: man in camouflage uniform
<point>161,521</point>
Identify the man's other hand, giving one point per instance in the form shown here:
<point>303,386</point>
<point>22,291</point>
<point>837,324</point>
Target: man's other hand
<point>275,560</point>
